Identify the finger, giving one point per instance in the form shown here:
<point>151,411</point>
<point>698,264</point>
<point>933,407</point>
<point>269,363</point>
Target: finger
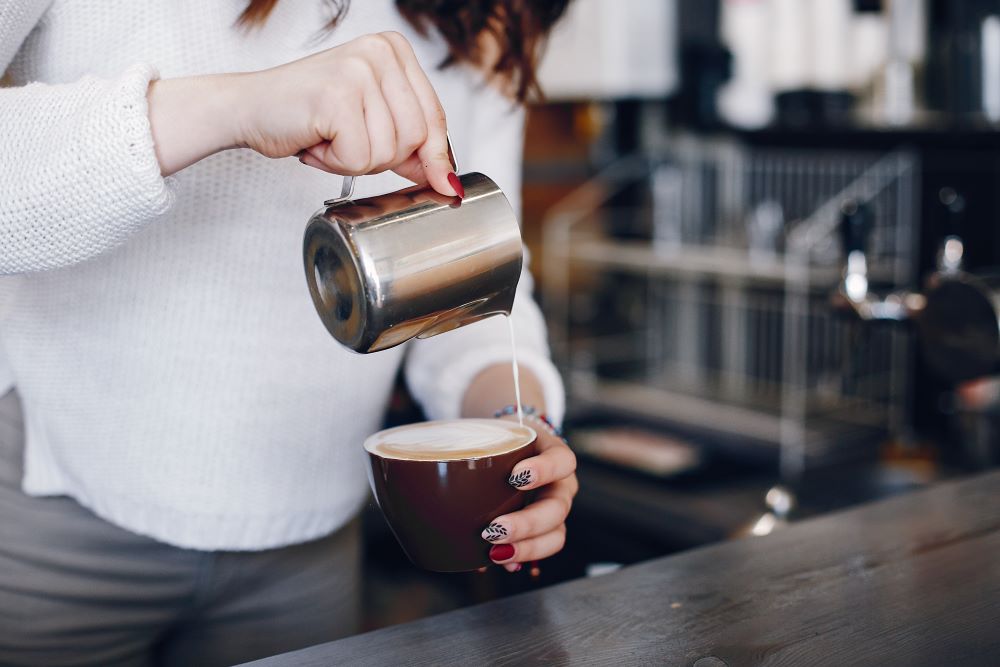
<point>412,169</point>
<point>535,548</point>
<point>307,158</point>
<point>407,114</point>
<point>556,462</point>
<point>538,518</point>
<point>381,133</point>
<point>348,149</point>
<point>433,152</point>
<point>563,488</point>
<point>508,527</point>
<point>317,151</point>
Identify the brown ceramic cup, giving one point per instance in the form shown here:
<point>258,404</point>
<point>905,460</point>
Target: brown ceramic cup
<point>439,496</point>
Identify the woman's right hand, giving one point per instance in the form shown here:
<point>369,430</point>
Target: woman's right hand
<point>363,107</point>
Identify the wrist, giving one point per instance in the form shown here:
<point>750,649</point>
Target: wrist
<point>241,94</point>
<point>192,118</point>
<point>228,107</point>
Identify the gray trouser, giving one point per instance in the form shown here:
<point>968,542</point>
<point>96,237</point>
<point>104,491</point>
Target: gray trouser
<point>76,590</point>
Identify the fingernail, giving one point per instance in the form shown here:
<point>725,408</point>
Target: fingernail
<point>501,552</point>
<point>456,184</point>
<point>495,532</point>
<point>521,479</point>
<point>517,568</point>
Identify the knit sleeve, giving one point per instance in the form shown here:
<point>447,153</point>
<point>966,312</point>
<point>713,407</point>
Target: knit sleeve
<point>78,172</point>
<point>77,169</point>
<point>17,19</point>
<point>439,369</point>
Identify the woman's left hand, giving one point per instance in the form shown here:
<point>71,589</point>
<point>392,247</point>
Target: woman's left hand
<point>539,530</point>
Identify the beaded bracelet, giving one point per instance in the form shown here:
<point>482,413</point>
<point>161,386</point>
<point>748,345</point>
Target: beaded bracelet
<point>532,412</point>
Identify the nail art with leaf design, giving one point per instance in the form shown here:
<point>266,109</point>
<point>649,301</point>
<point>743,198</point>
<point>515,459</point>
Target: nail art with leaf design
<point>494,532</point>
<point>520,479</point>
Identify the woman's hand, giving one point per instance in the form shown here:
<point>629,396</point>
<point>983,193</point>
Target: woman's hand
<point>539,530</point>
<point>363,107</point>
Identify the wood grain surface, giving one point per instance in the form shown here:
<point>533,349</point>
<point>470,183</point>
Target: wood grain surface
<point>912,581</point>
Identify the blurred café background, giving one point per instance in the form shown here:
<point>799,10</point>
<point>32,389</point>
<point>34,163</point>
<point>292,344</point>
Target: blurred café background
<point>762,233</point>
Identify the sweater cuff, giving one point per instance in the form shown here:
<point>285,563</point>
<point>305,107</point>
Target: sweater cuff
<point>122,131</point>
<point>450,386</point>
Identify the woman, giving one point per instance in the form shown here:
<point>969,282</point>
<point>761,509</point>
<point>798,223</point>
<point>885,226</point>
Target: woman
<point>191,460</point>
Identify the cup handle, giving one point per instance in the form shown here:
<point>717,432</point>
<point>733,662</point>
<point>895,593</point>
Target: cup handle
<point>347,185</point>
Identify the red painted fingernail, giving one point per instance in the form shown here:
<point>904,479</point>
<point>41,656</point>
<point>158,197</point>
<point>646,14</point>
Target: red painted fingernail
<point>456,184</point>
<point>518,568</point>
<point>500,552</point>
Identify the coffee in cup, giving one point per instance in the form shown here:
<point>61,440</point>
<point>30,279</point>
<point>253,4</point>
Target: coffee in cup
<point>440,483</point>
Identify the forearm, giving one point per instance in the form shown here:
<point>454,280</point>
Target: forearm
<point>192,118</point>
<point>493,388</point>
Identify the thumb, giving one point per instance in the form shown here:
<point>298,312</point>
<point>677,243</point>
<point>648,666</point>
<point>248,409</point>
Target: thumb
<point>412,169</point>
<point>436,166</point>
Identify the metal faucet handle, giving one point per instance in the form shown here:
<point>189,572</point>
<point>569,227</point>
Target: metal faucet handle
<point>853,294</point>
<point>856,225</point>
<point>347,185</point>
<point>951,255</point>
<point>780,500</point>
<point>855,228</point>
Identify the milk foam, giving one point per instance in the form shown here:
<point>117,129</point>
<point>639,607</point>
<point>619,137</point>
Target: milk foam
<point>448,440</point>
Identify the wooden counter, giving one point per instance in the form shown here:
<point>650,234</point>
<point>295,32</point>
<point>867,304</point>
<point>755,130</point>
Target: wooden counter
<point>914,580</point>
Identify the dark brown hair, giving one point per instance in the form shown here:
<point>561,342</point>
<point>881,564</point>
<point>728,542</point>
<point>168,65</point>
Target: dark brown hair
<point>518,27</point>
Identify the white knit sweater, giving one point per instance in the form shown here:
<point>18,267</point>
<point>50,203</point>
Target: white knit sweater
<point>174,374</point>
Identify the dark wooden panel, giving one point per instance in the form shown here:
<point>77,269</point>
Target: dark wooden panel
<point>913,581</point>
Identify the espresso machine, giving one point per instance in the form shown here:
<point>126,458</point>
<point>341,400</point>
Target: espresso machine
<point>956,314</point>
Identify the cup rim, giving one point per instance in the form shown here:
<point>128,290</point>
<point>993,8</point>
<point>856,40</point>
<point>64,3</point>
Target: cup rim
<point>533,439</point>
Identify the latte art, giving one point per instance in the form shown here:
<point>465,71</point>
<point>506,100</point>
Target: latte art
<point>449,440</point>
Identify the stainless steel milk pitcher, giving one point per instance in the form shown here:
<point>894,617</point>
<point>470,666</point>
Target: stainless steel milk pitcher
<point>412,263</point>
